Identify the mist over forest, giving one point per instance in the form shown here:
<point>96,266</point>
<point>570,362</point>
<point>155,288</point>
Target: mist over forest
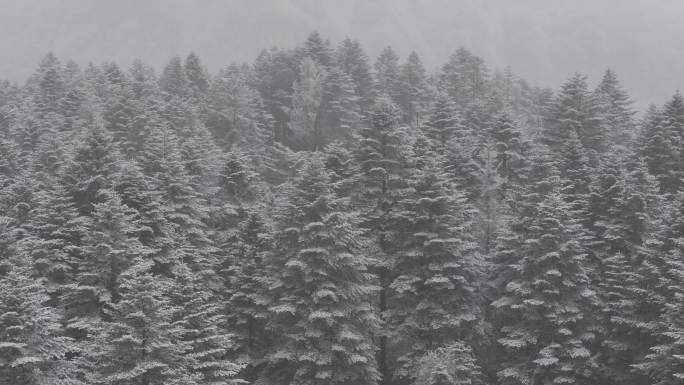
<point>543,41</point>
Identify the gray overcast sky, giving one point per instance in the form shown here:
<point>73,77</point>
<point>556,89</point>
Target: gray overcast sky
<point>544,41</point>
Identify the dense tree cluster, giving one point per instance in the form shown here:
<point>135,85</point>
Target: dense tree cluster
<point>315,218</point>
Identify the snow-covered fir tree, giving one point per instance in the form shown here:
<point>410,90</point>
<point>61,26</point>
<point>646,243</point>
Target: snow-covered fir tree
<point>544,308</point>
<point>321,315</point>
<point>383,182</point>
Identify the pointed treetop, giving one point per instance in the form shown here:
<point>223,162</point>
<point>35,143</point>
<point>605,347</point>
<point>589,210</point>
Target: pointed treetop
<point>318,49</point>
<point>674,109</point>
<point>173,79</point>
<point>196,75</point>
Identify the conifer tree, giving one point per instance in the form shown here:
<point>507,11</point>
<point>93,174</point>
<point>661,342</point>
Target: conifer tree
<point>50,85</point>
<point>662,364</point>
<point>510,150</point>
<point>248,298</point>
<point>76,97</point>
<point>342,114</point>
<point>188,256</point>
<point>120,117</point>
<point>181,176</point>
<point>321,314</point>
<point>546,296</point>
<point>464,77</point>
<point>173,80</point>
<point>307,99</point>
<point>109,248</point>
<point>673,125</point>
<point>27,134</point>
<point>56,238</point>
<point>9,164</point>
<point>627,333</point>
<point>486,191</point>
<point>32,350</point>
<point>8,97</point>
<point>451,364</point>
<point>91,172</point>
<point>621,222</point>
<point>414,95</point>
<point>621,205</point>
<point>575,111</point>
<point>201,323</point>
<point>114,75</point>
<point>231,110</point>
<point>143,80</point>
<point>136,193</point>
<point>200,157</point>
<point>71,73</point>
<point>387,74</point>
<point>140,343</point>
<point>351,59</point>
<point>436,267</point>
<point>197,77</point>
<point>465,154</point>
<point>135,110</point>
<point>184,207</point>
<point>616,109</point>
<point>238,229</point>
<point>318,50</point>
<point>382,158</point>
<point>444,123</point>
<point>237,190</point>
<point>659,150</point>
<point>575,177</point>
<point>342,169</point>
<point>275,72</point>
<point>17,200</point>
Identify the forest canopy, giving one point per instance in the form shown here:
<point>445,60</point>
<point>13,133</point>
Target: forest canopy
<point>321,217</point>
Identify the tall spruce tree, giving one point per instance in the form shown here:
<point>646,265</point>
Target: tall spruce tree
<point>321,316</point>
<point>307,100</point>
<point>616,110</point>
<point>317,49</point>
<point>201,328</point>
<point>663,364</point>
<point>414,95</point>
<point>197,77</point>
<point>622,218</point>
<point>659,150</point>
<point>248,301</point>
<point>673,125</point>
<point>231,107</point>
<point>50,85</point>
<point>351,59</point>
<point>464,77</point>
<point>33,350</point>
<point>90,174</point>
<point>383,182</point>
<point>173,80</point>
<point>275,72</point>
<point>452,364</point>
<point>342,114</point>
<point>575,111</point>
<point>437,267</point>
<point>543,311</point>
<point>387,74</point>
<point>140,344</point>
<point>443,124</point>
